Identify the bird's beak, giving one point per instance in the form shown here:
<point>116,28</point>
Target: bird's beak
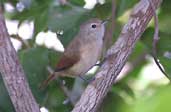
<point>105,21</point>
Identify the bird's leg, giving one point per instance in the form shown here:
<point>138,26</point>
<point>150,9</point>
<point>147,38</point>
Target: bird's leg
<point>92,78</point>
<point>83,78</point>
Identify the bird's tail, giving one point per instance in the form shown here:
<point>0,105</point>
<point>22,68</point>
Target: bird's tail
<point>46,82</point>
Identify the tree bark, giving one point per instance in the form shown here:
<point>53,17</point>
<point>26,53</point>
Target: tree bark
<point>116,56</point>
<point>13,74</point>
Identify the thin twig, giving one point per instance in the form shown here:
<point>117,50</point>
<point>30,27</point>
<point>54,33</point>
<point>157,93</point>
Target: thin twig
<point>24,42</point>
<point>113,15</point>
<point>109,31</point>
<point>63,2</point>
<point>155,41</point>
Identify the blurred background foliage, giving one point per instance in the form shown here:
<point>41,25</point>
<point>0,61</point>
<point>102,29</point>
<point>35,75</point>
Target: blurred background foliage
<point>140,87</point>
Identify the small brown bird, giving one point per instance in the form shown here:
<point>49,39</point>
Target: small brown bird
<point>83,51</point>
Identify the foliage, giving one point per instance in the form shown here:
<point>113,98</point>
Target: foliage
<point>130,94</point>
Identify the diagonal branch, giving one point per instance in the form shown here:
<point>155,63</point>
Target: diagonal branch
<point>13,74</point>
<point>117,56</point>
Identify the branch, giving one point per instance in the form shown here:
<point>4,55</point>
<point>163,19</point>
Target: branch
<point>13,74</point>
<point>117,56</point>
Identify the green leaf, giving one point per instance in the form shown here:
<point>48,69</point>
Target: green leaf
<point>124,5</point>
<point>35,61</point>
<point>5,102</point>
<point>40,22</point>
<point>67,19</point>
<point>166,62</point>
<point>102,11</point>
<point>55,98</point>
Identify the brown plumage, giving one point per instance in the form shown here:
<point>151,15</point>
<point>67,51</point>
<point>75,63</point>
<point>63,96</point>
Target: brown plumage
<point>83,51</point>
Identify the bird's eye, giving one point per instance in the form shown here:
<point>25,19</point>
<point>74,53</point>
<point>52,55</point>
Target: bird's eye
<point>93,26</point>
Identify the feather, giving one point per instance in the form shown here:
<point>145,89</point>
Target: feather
<point>66,62</point>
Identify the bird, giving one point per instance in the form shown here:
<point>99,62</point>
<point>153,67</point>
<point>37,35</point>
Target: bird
<point>83,52</point>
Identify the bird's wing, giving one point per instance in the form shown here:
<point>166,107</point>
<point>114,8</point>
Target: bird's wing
<point>71,55</point>
<point>66,62</point>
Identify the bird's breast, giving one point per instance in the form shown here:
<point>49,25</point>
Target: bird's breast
<point>90,54</point>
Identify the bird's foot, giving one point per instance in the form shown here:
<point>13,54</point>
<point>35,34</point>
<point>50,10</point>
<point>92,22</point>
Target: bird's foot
<point>87,80</point>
